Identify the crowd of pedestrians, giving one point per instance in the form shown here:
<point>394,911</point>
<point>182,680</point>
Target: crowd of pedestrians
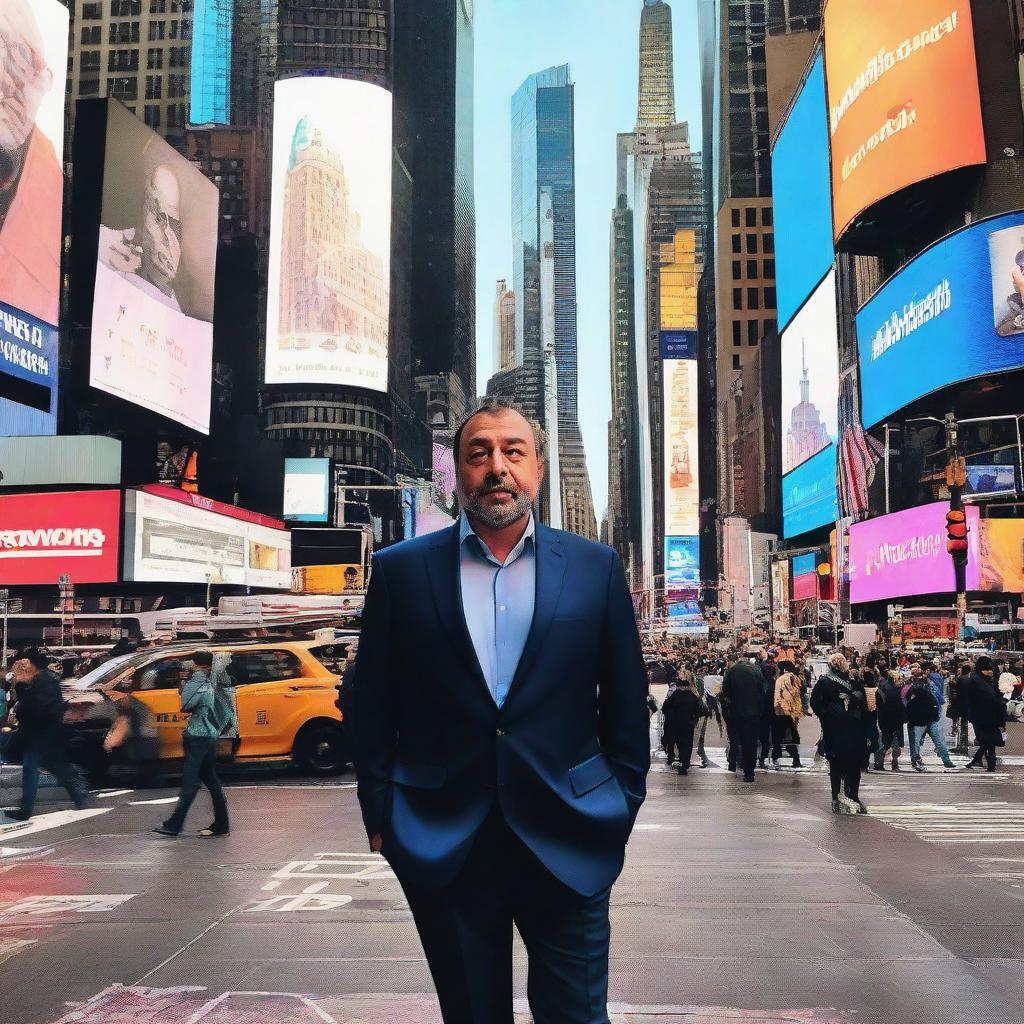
<point>871,706</point>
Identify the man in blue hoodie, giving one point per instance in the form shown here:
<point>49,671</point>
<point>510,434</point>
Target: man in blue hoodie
<point>200,742</point>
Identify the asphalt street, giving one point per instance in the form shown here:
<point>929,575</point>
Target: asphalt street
<point>737,902</point>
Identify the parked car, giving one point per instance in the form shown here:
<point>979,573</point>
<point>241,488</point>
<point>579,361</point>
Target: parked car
<point>284,693</point>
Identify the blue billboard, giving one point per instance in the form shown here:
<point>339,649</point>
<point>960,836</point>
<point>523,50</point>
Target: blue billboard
<point>682,562</point>
<point>809,498</point>
<point>955,312</point>
<point>28,374</point>
<point>210,85</point>
<point>678,344</point>
<point>802,197</point>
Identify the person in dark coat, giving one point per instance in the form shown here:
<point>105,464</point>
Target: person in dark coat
<point>892,714</point>
<point>839,701</point>
<point>682,710</point>
<point>743,702</point>
<point>987,713</point>
<point>769,673</point>
<point>40,716</point>
<point>869,680</point>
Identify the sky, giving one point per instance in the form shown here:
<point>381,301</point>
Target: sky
<point>599,39</point>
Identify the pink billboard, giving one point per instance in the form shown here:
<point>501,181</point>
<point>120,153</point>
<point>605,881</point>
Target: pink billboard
<point>805,586</point>
<point>904,554</point>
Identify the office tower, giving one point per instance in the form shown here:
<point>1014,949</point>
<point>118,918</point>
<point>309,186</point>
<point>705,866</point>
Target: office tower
<point>544,204</point>
<point>138,52</point>
<point>434,79</point>
<point>657,105</point>
<point>504,327</point>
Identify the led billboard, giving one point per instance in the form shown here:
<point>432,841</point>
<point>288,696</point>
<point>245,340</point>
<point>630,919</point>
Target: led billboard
<point>682,562</point>
<point>904,554</point>
<point>173,537</point>
<point>955,312</point>
<point>34,47</point>
<point>682,498</point>
<point>330,234</point>
<point>28,374</point>
<point>810,378</point>
<point>802,197</point>
<point>1002,555</point>
<point>306,489</point>
<point>73,533</point>
<point>152,320</point>
<point>809,497</point>
<point>903,98</point>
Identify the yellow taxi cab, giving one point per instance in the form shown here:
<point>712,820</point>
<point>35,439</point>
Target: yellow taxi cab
<point>284,694</point>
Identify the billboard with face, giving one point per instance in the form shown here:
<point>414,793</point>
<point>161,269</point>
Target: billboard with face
<point>903,98</point>
<point>328,303</point>
<point>802,197</point>
<point>955,312</point>
<point>152,321</point>
<point>810,378</point>
<point>904,554</point>
<point>682,498</point>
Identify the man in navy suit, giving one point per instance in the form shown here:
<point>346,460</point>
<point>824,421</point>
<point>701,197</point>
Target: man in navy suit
<point>502,736</point>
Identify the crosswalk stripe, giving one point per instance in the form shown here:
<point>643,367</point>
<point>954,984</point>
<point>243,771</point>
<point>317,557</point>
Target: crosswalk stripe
<point>957,823</point>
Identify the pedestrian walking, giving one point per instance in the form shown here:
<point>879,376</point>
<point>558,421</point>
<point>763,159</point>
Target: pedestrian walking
<point>892,715</point>
<point>743,702</point>
<point>987,713</point>
<point>769,673</point>
<point>200,740</point>
<point>788,706</point>
<point>682,711</point>
<point>713,710</point>
<point>39,713</point>
<point>923,720</point>
<point>840,703</point>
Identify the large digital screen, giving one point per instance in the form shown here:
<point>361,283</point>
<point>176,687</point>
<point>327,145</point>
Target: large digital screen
<point>46,536</point>
<point>802,197</point>
<point>1002,555</point>
<point>809,496</point>
<point>904,554</point>
<point>28,374</point>
<point>152,320</point>
<point>329,292</point>
<point>682,497</point>
<point>955,312</point>
<point>903,98</point>
<point>34,48</point>
<point>810,378</point>
<point>682,562</point>
<point>176,541</point>
<point>306,489</point>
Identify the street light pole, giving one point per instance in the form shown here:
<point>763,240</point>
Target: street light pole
<point>955,480</point>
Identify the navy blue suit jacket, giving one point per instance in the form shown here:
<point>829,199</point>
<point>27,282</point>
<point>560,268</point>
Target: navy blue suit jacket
<point>567,755</point>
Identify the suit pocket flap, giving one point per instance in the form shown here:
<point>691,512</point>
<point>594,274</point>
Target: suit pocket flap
<point>421,776</point>
<point>589,774</point>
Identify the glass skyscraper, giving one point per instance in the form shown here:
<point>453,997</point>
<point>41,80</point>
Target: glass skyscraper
<point>543,163</point>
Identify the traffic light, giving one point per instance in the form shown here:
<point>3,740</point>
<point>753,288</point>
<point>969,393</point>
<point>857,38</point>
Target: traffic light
<point>956,533</point>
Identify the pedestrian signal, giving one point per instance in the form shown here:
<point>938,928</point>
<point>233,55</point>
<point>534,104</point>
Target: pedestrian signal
<point>956,532</point>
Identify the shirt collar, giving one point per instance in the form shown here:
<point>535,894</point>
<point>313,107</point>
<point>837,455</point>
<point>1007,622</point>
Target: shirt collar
<point>466,530</point>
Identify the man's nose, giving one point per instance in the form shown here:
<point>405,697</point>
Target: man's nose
<point>498,466</point>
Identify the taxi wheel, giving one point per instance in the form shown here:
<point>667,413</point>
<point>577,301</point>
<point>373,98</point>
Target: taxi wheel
<point>321,750</point>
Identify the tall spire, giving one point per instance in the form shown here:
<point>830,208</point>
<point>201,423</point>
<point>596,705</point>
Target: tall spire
<point>805,380</point>
<point>657,106</point>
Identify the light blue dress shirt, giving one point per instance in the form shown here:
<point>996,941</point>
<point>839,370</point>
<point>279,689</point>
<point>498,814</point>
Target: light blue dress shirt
<point>498,601</point>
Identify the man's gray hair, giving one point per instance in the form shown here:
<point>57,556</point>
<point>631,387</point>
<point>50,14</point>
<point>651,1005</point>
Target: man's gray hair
<point>495,407</point>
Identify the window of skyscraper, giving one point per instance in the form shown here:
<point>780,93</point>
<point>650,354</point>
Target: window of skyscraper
<point>737,245</point>
<point>737,298</point>
<point>769,269</point>
<point>752,326</point>
<point>752,243</point>
<point>769,242</point>
<point>767,218</point>
<point>735,217</point>
<point>753,298</point>
<point>737,270</point>
<point>751,216</point>
<point>769,298</point>
<point>752,269</point>
<point>736,362</point>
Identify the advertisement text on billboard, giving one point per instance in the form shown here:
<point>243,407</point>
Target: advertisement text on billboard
<point>682,498</point>
<point>955,312</point>
<point>903,98</point>
<point>152,320</point>
<point>682,562</point>
<point>73,533</point>
<point>904,554</point>
<point>330,238</point>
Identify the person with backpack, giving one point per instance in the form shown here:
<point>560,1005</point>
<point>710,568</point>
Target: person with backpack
<point>202,733</point>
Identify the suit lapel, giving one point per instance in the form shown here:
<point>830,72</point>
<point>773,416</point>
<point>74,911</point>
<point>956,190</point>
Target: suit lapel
<point>551,566</point>
<point>443,568</point>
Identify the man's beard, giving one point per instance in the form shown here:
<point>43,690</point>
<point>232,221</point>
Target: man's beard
<point>499,516</point>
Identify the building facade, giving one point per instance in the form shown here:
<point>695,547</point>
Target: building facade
<point>544,179</point>
<point>504,327</point>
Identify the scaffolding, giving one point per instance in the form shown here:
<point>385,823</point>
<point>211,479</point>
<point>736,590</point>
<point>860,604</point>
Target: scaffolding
<point>212,54</point>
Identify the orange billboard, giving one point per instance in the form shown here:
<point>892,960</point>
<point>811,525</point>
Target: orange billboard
<point>903,99</point>
<point>1002,555</point>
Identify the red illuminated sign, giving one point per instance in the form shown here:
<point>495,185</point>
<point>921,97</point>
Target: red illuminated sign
<point>72,533</point>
